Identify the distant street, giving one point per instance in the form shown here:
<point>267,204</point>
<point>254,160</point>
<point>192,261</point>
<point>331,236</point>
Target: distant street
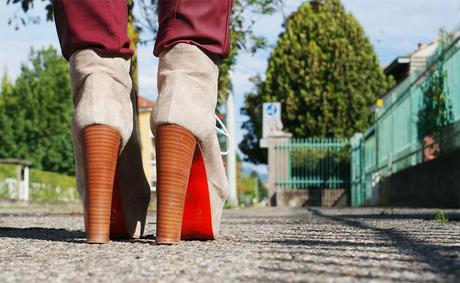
<point>257,245</point>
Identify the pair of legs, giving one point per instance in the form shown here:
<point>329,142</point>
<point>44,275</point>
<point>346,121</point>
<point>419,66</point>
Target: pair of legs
<point>191,185</point>
<point>102,25</point>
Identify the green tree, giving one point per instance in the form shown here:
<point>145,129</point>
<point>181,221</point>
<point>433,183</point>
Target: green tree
<point>436,111</point>
<point>242,36</point>
<point>22,16</point>
<point>248,185</point>
<point>133,34</point>
<point>36,113</point>
<point>325,73</point>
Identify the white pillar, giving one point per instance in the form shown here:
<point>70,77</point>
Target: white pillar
<point>26,183</point>
<point>256,189</point>
<point>231,157</point>
<point>19,182</point>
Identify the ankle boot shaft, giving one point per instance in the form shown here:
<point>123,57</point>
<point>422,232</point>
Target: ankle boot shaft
<point>102,96</point>
<point>101,88</point>
<point>187,90</point>
<point>187,97</point>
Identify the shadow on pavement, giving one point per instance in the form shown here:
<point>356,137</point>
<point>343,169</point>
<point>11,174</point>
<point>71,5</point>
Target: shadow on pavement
<point>39,233</point>
<point>59,235</point>
<point>383,254</point>
<point>452,216</point>
<point>433,255</point>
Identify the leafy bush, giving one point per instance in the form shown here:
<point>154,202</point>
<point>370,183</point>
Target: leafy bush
<point>36,113</point>
<point>48,186</point>
<point>7,171</point>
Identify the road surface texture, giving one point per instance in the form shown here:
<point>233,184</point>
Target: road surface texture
<point>257,245</point>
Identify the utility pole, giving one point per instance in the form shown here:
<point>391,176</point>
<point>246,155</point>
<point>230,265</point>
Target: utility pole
<point>231,157</point>
<point>256,189</point>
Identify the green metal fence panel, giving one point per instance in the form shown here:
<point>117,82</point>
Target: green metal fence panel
<point>452,67</point>
<point>357,164</point>
<point>397,132</point>
<point>304,163</point>
<point>393,142</point>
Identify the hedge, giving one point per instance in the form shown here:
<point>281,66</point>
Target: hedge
<point>44,186</point>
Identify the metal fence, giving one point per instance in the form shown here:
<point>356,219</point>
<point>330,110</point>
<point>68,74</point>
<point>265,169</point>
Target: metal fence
<point>319,165</point>
<point>393,142</point>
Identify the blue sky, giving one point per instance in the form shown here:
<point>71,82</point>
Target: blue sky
<point>395,27</point>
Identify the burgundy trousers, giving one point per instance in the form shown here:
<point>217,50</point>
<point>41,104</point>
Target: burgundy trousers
<point>102,25</point>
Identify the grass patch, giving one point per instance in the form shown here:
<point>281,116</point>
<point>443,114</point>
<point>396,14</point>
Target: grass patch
<point>439,216</point>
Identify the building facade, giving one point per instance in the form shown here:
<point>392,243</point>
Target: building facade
<point>147,140</point>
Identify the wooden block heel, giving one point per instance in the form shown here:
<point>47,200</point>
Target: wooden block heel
<point>175,147</point>
<point>102,144</point>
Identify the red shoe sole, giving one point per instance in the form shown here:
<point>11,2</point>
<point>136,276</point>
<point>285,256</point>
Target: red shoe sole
<point>196,219</point>
<point>117,217</point>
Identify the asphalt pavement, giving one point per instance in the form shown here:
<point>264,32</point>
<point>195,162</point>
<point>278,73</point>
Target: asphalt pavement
<point>256,245</point>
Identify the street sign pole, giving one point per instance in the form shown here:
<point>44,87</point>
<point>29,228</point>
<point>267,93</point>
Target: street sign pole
<point>231,157</point>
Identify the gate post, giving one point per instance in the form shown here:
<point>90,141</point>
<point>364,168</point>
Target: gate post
<point>22,178</point>
<point>26,188</point>
<point>276,166</point>
<point>356,170</point>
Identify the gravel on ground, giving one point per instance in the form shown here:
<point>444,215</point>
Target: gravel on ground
<point>256,245</point>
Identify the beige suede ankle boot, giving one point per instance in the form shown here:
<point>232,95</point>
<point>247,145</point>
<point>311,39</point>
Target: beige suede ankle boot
<point>192,185</point>
<point>110,176</point>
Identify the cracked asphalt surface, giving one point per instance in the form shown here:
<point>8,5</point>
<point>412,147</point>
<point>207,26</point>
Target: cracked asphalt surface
<point>257,245</point>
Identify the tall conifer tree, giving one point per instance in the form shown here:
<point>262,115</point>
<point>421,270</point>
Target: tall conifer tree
<point>325,73</point>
